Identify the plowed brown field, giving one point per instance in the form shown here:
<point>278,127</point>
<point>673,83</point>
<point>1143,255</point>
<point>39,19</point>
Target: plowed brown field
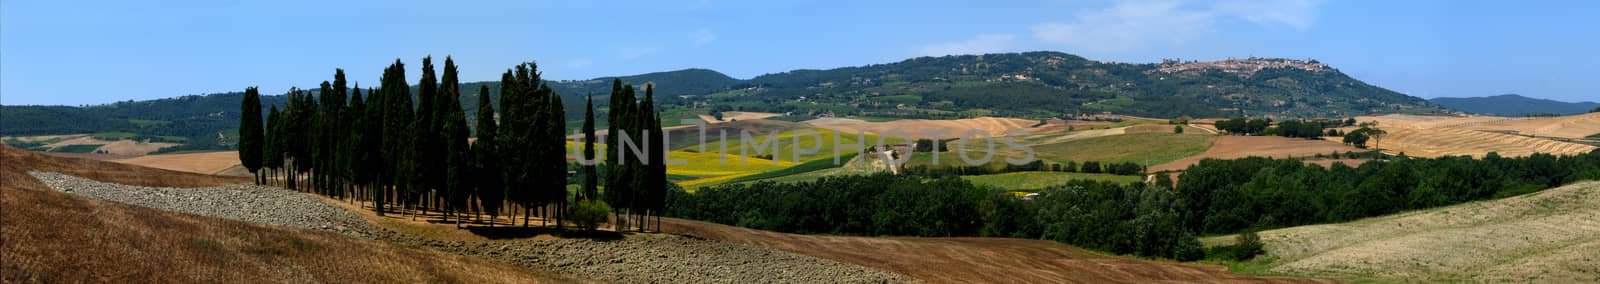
<point>976,260</point>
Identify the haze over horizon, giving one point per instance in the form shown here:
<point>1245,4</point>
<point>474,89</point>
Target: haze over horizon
<point>133,51</point>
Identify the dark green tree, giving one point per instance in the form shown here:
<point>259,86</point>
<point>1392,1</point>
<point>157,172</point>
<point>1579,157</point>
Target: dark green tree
<point>490,187</point>
<point>272,144</point>
<point>429,160</point>
<point>459,180</point>
<point>251,134</point>
<point>397,120</point>
<point>591,179</point>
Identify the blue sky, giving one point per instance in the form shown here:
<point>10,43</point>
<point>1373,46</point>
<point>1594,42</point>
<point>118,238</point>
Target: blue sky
<point>91,52</point>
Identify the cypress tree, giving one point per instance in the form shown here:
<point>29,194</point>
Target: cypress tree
<point>459,179</point>
<point>371,168</point>
<point>428,135</point>
<point>556,155</point>
<point>321,126</point>
<point>613,185</point>
<point>355,117</point>
<point>272,146</point>
<point>591,187</point>
<point>655,175</point>
<point>251,134</point>
<point>490,188</point>
<point>334,110</point>
<point>397,120</point>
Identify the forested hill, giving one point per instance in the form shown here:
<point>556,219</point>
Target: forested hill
<point>1515,105</point>
<point>1029,85</point>
<point>1038,84</point>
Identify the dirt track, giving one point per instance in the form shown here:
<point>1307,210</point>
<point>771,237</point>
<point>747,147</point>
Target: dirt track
<point>975,260</point>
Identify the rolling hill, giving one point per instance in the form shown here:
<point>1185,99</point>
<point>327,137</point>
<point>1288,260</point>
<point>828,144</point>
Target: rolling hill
<point>1549,236</point>
<point>1514,105</point>
<point>1029,85</point>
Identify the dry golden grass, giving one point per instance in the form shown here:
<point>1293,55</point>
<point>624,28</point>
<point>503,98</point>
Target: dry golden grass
<point>1550,236</point>
<point>976,260</point>
<point>50,236</point>
<point>200,163</point>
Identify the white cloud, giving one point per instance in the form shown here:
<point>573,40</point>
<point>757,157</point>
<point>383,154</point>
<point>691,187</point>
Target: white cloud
<point>580,63</point>
<point>983,43</point>
<point>1298,14</point>
<point>1136,24</point>
<point>703,37</point>
<point>629,53</point>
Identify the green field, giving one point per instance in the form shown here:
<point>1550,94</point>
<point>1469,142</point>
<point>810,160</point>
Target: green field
<point>80,148</point>
<point>1143,148</point>
<point>858,168</point>
<point>787,146</point>
<point>1033,181</point>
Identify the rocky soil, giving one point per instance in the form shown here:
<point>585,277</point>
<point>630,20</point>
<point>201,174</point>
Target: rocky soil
<point>642,258</point>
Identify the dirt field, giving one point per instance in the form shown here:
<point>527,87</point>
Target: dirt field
<point>200,163</point>
<point>1230,147</point>
<point>1549,237</point>
<point>1433,136</point>
<point>915,127</point>
<point>51,236</point>
<point>975,260</point>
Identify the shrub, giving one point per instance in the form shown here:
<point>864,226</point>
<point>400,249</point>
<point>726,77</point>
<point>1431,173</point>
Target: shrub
<point>590,213</point>
<point>1246,246</point>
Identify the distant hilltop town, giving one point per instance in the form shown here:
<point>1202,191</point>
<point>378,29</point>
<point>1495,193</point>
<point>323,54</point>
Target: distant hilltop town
<point>1246,67</point>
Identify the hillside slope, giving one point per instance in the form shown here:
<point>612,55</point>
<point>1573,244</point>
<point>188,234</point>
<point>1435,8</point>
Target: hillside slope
<point>1549,236</point>
<point>50,236</point>
<point>1514,105</point>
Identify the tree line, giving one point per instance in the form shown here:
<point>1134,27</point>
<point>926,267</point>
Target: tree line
<point>1227,196</point>
<point>1132,218</point>
<point>1151,220</point>
<point>412,157</point>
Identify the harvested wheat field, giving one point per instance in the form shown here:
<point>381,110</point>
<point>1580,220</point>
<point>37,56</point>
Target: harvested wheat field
<point>1574,126</point>
<point>1433,136</point>
<point>1447,141</point>
<point>118,147</point>
<point>1232,147</point>
<point>915,127</point>
<point>51,236</point>
<point>976,260</point>
<point>200,163</point>
<point>1550,236</point>
<point>731,116</point>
